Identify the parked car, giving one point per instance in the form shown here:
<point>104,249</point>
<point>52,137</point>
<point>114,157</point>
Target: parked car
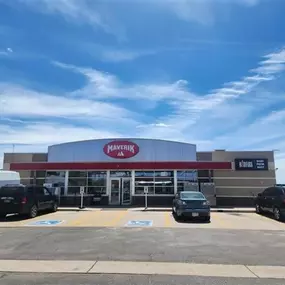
<point>271,200</point>
<point>191,204</point>
<point>8,177</point>
<point>26,200</point>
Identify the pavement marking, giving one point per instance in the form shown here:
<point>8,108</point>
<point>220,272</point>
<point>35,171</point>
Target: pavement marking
<point>146,268</point>
<point>119,216</point>
<point>168,220</point>
<point>219,220</point>
<point>139,223</point>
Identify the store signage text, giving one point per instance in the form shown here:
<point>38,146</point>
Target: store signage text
<point>121,149</point>
<point>251,164</point>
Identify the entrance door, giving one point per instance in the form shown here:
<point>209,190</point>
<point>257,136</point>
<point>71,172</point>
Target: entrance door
<point>120,191</point>
<point>126,191</point>
<point>115,191</point>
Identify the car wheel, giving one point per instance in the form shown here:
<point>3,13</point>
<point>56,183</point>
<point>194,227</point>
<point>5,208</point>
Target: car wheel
<point>277,214</point>
<point>33,211</point>
<point>258,209</point>
<point>2,216</point>
<point>54,207</point>
<point>208,219</point>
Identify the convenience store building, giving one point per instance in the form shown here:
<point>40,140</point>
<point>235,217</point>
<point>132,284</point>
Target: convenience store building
<point>117,171</point>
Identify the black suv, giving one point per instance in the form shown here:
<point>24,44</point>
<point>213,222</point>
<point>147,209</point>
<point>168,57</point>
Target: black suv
<point>26,200</point>
<point>272,200</point>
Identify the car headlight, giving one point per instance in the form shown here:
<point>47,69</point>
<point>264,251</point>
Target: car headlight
<point>206,203</point>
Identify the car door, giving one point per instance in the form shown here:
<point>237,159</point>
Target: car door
<point>261,199</point>
<point>41,197</point>
<point>49,198</point>
<point>269,199</point>
<point>276,197</point>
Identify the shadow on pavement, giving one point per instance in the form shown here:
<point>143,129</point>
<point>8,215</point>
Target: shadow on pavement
<point>18,218</point>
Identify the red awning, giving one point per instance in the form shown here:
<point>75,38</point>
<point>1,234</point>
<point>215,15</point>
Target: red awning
<point>199,165</point>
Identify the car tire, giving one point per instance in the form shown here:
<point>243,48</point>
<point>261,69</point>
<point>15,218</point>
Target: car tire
<point>3,216</point>
<point>33,211</point>
<point>207,219</point>
<point>258,209</point>
<point>54,207</point>
<point>277,214</point>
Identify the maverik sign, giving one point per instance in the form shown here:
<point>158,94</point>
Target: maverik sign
<point>121,149</point>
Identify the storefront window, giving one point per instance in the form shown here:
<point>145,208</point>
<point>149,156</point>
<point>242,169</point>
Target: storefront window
<point>187,180</point>
<point>55,177</point>
<point>144,173</point>
<point>158,182</point>
<point>96,191</point>
<point>79,174</point>
<point>97,181</point>
<point>120,173</point>
<point>164,185</point>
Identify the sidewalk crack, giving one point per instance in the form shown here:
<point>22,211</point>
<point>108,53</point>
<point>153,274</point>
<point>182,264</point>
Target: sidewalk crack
<point>92,266</point>
<point>252,271</point>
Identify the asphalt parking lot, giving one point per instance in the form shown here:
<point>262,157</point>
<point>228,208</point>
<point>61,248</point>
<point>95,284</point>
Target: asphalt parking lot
<point>146,219</point>
<point>132,241</point>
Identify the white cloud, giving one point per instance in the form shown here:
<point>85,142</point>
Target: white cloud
<point>17,101</point>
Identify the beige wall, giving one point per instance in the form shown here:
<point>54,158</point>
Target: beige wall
<point>24,157</point>
<point>243,183</point>
<point>26,176</point>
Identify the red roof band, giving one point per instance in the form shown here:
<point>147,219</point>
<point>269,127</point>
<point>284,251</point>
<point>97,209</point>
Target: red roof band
<point>163,165</point>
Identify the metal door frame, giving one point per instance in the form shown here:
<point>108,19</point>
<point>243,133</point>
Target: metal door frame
<point>119,180</point>
<point>122,190</point>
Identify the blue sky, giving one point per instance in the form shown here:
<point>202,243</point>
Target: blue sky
<point>209,72</point>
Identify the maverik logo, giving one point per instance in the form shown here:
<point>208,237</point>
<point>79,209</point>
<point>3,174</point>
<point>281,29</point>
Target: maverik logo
<point>121,149</point>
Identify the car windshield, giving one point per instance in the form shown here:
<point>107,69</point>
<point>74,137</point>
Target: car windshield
<point>192,195</point>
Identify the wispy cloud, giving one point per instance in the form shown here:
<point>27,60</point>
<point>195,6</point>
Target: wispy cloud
<point>82,11</point>
<point>117,55</point>
<point>6,52</point>
<point>200,11</point>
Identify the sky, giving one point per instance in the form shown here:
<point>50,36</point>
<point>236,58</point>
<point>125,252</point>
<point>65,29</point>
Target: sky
<point>208,72</point>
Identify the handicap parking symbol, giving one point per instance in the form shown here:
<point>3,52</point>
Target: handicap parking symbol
<point>46,223</point>
<point>138,223</point>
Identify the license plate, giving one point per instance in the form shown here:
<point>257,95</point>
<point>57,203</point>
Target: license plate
<point>195,214</point>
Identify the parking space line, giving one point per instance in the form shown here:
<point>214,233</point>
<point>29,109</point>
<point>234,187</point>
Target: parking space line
<point>120,215</point>
<point>220,221</point>
<point>168,220</point>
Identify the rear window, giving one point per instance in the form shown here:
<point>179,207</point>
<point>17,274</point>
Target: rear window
<point>192,195</point>
<point>11,190</point>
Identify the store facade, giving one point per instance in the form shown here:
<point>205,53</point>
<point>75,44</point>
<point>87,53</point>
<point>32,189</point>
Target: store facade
<point>117,171</point>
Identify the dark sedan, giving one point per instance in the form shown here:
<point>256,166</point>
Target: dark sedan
<point>191,204</point>
<point>272,201</point>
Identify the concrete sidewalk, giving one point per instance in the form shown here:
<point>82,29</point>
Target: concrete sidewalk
<point>155,209</point>
<point>141,268</point>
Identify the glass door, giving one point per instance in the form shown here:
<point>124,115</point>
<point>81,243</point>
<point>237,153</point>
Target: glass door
<point>126,191</point>
<point>115,191</point>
